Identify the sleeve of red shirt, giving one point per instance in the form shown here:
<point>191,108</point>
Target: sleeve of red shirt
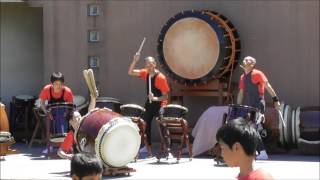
<point>143,74</point>
<point>241,83</point>
<point>259,78</point>
<point>68,142</point>
<point>68,95</point>
<point>44,94</point>
<point>162,84</point>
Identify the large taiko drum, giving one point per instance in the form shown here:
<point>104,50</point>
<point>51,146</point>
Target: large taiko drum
<point>305,129</point>
<point>5,136</point>
<point>112,137</point>
<point>278,136</point>
<point>197,46</point>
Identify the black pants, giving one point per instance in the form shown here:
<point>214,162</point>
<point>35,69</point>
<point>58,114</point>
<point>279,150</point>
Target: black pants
<point>152,111</point>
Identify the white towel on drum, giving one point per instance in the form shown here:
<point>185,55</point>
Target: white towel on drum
<point>205,131</point>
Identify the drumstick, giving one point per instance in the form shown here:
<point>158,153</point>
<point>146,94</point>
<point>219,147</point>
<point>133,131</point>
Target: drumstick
<point>87,79</point>
<point>141,45</point>
<point>92,82</point>
<point>281,117</point>
<point>149,79</point>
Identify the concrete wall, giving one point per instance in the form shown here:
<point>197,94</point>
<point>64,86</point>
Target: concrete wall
<point>282,35</point>
<point>21,60</point>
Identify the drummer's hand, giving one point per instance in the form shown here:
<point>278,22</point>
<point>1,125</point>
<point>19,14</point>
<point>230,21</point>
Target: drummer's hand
<point>277,105</point>
<point>97,92</point>
<point>136,57</point>
<point>151,97</point>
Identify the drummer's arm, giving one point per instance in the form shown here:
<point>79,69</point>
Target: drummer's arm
<point>64,155</point>
<point>43,106</point>
<point>92,104</point>
<point>164,96</point>
<point>273,95</point>
<point>240,96</point>
<point>132,71</point>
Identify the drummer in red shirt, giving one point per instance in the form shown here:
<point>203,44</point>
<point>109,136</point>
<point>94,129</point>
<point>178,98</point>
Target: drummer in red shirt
<point>68,147</point>
<point>56,92</point>
<point>157,90</point>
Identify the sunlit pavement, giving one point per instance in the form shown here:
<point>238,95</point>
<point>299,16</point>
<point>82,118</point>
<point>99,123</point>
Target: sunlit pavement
<point>31,164</point>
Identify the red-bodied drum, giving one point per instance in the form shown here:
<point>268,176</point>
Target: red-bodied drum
<point>112,137</point>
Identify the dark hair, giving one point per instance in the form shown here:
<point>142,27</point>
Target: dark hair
<point>85,164</point>
<point>57,76</point>
<point>239,130</point>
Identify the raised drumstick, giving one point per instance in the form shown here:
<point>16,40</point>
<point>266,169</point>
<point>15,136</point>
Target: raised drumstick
<point>88,81</point>
<point>141,45</point>
<point>92,82</point>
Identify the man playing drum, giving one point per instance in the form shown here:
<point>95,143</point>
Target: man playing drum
<point>157,90</point>
<point>252,85</point>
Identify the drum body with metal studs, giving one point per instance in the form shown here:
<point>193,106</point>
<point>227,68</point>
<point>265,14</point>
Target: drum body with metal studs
<point>112,137</point>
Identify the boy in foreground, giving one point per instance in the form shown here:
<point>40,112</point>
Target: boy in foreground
<point>238,141</point>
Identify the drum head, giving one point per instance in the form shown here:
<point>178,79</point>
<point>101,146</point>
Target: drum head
<point>196,48</point>
<point>118,142</point>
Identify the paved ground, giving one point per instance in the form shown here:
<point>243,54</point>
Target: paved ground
<point>31,164</point>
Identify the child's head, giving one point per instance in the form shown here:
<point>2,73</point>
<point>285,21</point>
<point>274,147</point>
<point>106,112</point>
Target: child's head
<point>74,121</point>
<point>86,166</point>
<point>237,140</point>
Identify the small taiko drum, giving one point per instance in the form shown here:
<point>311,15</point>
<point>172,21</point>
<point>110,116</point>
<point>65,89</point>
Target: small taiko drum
<point>172,111</point>
<point>112,137</point>
<point>132,110</point>
<point>81,104</point>
<point>247,112</point>
<point>108,102</point>
<point>59,115</point>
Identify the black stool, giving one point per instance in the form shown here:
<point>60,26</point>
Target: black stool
<point>21,116</point>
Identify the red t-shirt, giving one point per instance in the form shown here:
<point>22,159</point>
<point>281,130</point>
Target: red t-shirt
<point>258,174</point>
<point>45,93</point>
<point>161,83</point>
<point>68,142</point>
<point>257,77</point>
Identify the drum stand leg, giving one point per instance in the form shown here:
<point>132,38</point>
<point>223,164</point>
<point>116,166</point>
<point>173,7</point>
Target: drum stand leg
<point>142,129</point>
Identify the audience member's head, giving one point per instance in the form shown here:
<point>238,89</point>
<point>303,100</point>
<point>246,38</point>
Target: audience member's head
<point>237,140</point>
<point>86,166</point>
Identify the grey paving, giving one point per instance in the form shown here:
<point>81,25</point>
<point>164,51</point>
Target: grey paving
<point>31,164</point>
